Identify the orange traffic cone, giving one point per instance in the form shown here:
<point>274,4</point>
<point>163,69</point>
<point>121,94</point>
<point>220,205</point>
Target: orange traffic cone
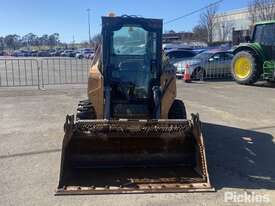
<point>187,76</point>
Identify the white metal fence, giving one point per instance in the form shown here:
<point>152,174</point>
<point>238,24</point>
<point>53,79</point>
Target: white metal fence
<point>56,71</point>
<point>42,71</point>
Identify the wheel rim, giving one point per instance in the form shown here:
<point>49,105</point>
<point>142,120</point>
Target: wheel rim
<point>242,67</point>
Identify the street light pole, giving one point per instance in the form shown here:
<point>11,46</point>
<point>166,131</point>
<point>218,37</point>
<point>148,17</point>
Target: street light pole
<point>89,25</point>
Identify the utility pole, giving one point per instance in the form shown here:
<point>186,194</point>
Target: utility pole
<point>89,25</point>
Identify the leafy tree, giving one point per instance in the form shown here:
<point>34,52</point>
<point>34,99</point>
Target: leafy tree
<point>44,40</point>
<point>12,41</point>
<point>2,43</point>
<point>53,39</point>
<point>29,39</point>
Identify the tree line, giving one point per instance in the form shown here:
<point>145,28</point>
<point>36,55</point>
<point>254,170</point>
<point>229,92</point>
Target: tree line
<point>14,41</point>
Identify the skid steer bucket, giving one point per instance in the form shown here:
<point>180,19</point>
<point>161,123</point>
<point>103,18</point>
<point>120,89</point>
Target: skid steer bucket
<point>132,156</point>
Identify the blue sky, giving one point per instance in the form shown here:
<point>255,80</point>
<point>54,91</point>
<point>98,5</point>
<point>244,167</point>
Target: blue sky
<point>69,17</point>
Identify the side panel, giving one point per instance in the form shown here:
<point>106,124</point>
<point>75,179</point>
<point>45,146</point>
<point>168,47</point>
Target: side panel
<point>269,70</point>
<point>95,89</point>
<point>168,79</point>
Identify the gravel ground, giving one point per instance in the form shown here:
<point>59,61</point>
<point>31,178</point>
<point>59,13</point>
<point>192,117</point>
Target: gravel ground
<point>238,127</point>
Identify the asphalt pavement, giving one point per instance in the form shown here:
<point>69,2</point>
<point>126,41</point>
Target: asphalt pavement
<point>238,128</point>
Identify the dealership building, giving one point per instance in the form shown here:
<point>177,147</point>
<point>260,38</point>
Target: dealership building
<point>232,26</point>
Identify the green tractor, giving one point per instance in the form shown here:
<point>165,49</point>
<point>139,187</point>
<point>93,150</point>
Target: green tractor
<point>257,58</point>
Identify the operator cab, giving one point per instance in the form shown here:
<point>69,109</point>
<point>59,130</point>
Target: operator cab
<point>132,63</point>
<point>264,35</point>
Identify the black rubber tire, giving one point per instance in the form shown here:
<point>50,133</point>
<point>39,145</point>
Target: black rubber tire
<point>177,110</point>
<point>85,110</point>
<point>83,102</point>
<point>256,67</point>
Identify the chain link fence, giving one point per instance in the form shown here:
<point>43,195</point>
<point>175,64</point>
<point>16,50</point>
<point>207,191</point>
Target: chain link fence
<point>39,72</point>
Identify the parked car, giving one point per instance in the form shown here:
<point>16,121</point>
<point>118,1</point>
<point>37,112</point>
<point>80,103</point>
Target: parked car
<point>177,55</point>
<point>56,53</point>
<point>84,53</point>
<point>43,54</point>
<point>89,55</point>
<point>34,53</point>
<point>211,63</point>
<point>68,53</point>
<point>79,55</point>
<point>198,51</point>
<point>169,46</point>
<point>18,53</point>
<point>4,53</point>
<point>72,54</point>
<point>26,53</point>
<point>64,53</point>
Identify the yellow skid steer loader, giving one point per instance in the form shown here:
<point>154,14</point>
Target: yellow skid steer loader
<point>132,135</point>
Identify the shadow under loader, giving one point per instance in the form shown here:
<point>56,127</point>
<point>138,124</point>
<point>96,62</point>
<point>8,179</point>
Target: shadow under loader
<point>239,158</point>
